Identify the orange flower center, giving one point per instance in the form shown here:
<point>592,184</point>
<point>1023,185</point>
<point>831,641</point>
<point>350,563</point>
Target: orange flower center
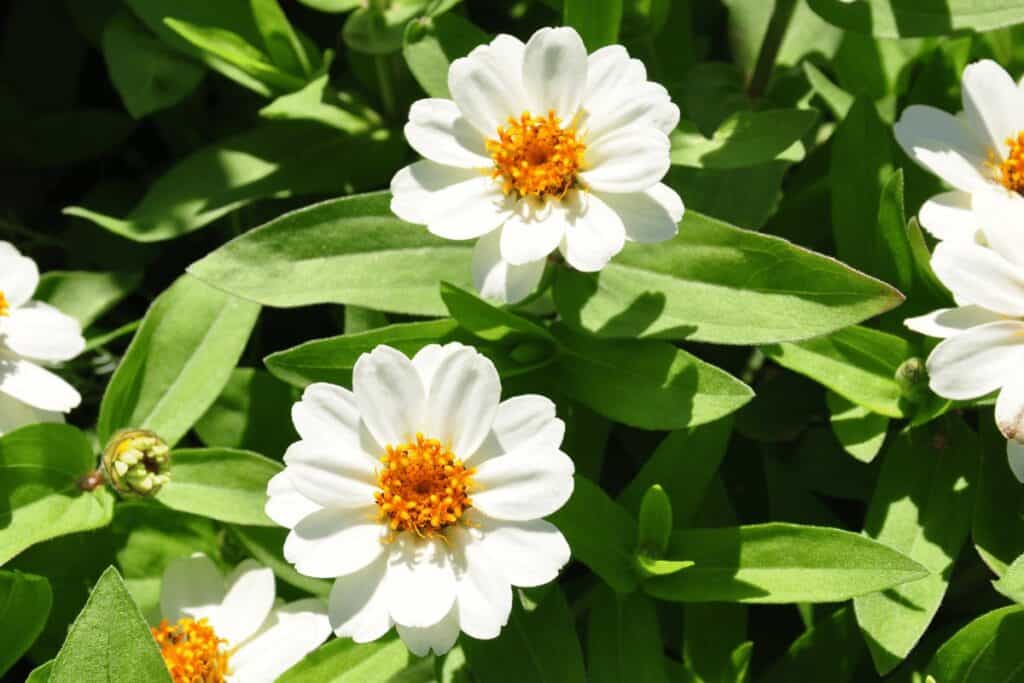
<point>536,156</point>
<point>423,487</point>
<point>192,651</point>
<point>5,309</point>
<point>1011,171</point>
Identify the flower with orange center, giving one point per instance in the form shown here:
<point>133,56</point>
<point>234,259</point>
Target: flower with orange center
<point>218,629</point>
<point>4,307</point>
<point>1011,170</point>
<point>423,495</point>
<point>541,147</point>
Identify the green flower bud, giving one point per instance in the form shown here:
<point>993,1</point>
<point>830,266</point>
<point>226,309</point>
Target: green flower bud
<point>137,462</point>
<point>912,376</point>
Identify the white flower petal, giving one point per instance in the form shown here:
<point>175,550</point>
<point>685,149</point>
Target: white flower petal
<point>944,145</point>
<point>41,332</point>
<point>593,237</point>
<point>529,553</point>
<point>19,275</point>
<point>526,422</point>
<point>497,279</point>
<point>417,188</point>
<point>329,415</point>
<point>523,485</point>
<point>192,587</point>
<point>285,505</point>
<point>1015,456</point>
<point>647,104</point>
<point>628,160</point>
<point>947,322</point>
<point>487,84</point>
<point>247,602</point>
<point>427,360</point>
<point>420,582</point>
<point>610,71</point>
<point>483,594</point>
<point>949,216</point>
<point>390,395</point>
<point>531,238</point>
<point>335,542</point>
<point>357,605</point>
<point>36,386</point>
<point>290,633</point>
<point>462,400</point>
<point>1001,215</point>
<point>1010,408</point>
<point>439,132</point>
<point>439,637</point>
<point>978,361</point>
<point>470,207</point>
<point>331,477</point>
<point>977,275</point>
<point>993,105</point>
<point>649,216</point>
<point>555,72</point>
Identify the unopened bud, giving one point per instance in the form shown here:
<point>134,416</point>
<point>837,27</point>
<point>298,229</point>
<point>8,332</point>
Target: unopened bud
<point>137,462</point>
<point>912,376</point>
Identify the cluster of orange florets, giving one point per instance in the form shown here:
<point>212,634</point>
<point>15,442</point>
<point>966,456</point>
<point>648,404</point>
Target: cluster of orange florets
<point>423,487</point>
<point>192,651</point>
<point>4,308</point>
<point>1011,171</point>
<point>536,156</point>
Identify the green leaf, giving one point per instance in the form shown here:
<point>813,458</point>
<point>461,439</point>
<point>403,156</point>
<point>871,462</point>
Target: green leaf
<point>745,139</point>
<point>276,159</point>
<point>280,39</point>
<point>624,639</point>
<point>266,545</point>
<point>40,468</point>
<point>64,138</point>
<point>907,18</point>
<point>836,99</point>
<point>984,651</point>
<point>805,34</point>
<point>332,6</point>
<point>1012,583</point>
<point>40,674</point>
<point>109,641</point>
<point>717,283</point>
<point>998,520</point>
<point>860,431</point>
<point>922,507</point>
<point>858,363</point>
<point>711,634</point>
<point>601,533</point>
<point>25,601</point>
<point>597,21</point>
<point>487,321</point>
<point>343,661</point>
<point>149,75</point>
<point>832,645</point>
<point>252,413</point>
<point>350,251</point>
<point>654,523</point>
<point>539,644</point>
<point>320,102</point>
<point>178,362</point>
<point>220,483</point>
<point>431,45</point>
<point>86,296</point>
<point>780,563</point>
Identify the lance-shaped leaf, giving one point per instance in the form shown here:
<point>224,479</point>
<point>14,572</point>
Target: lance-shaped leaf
<point>431,45</point>
<point>1012,583</point>
<point>84,295</point>
<point>343,661</point>
<point>984,651</point>
<point>832,645</point>
<point>717,283</point>
<point>25,601</point>
<point>908,18</point>
<point>745,139</point>
<point>624,639</point>
<point>780,563</point>
<point>597,21</point>
<point>998,520</point>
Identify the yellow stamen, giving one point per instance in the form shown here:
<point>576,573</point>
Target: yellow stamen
<point>536,156</point>
<point>423,487</point>
<point>192,651</point>
<point>4,308</point>
<point>1011,171</point>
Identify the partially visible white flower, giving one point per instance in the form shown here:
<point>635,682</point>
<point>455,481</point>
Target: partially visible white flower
<point>231,629</point>
<point>32,333</point>
<point>983,337</point>
<point>541,147</point>
<point>423,494</point>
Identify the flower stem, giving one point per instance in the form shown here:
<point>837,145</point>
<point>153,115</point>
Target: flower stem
<point>777,27</point>
<point>387,86</point>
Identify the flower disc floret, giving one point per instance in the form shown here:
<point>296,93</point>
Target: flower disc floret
<point>536,156</point>
<point>424,488</point>
<point>5,308</point>
<point>1011,170</point>
<point>192,651</point>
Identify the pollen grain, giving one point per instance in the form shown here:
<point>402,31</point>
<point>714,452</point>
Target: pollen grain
<point>192,651</point>
<point>1011,170</point>
<point>536,156</point>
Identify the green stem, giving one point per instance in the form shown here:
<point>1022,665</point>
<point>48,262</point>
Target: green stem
<point>387,85</point>
<point>777,27</point>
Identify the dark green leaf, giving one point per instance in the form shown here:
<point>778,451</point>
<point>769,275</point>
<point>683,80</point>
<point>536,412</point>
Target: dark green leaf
<point>252,413</point>
<point>25,601</point>
<point>832,645</point>
<point>1012,583</point>
<point>998,520</point>
<point>597,21</point>
<point>711,634</point>
<point>624,639</point>
<point>860,431</point>
<point>905,18</point>
<point>985,651</point>
<point>745,139</point>
<point>86,296</point>
<point>431,45</point>
<point>266,545</point>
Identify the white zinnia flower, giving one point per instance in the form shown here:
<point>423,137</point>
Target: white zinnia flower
<point>979,149</point>
<point>423,494</point>
<point>983,337</point>
<point>230,629</point>
<point>543,148</point>
<point>32,332</point>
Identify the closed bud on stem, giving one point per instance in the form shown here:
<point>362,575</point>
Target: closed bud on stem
<point>137,462</point>
<point>912,376</point>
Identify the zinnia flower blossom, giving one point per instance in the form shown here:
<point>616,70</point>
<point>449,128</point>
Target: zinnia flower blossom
<point>423,493</point>
<point>982,348</point>
<point>32,333</point>
<point>541,147</point>
<point>979,149</point>
<point>230,629</point>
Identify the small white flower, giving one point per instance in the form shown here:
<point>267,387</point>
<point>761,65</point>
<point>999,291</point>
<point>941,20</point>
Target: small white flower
<point>543,148</point>
<point>230,629</point>
<point>983,337</point>
<point>423,493</point>
<point>979,149</point>
<point>31,333</point>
